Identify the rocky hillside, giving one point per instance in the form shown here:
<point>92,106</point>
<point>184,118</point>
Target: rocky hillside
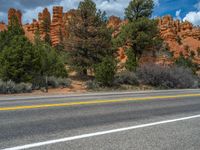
<point>181,37</point>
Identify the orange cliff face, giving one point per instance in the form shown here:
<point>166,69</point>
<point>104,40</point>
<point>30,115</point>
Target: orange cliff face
<point>181,37</point>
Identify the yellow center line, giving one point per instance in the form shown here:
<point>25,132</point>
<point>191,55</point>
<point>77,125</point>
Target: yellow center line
<point>97,102</point>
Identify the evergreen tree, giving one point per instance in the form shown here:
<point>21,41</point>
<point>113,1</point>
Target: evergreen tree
<point>105,71</point>
<point>138,9</point>
<point>140,34</point>
<point>18,60</point>
<point>21,61</point>
<point>131,63</point>
<point>50,62</point>
<point>14,29</point>
<point>46,26</point>
<point>89,39</point>
<point>60,47</point>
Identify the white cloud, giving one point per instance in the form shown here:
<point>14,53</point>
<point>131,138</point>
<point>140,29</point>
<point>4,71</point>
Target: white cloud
<point>193,17</point>
<point>112,7</point>
<point>198,6</point>
<point>156,2</point>
<point>31,14</point>
<point>178,12</point>
<point>3,16</point>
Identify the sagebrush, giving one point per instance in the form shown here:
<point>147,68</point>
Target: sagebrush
<point>167,77</point>
<point>10,87</point>
<point>126,77</point>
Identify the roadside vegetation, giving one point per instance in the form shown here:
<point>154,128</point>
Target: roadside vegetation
<point>91,51</point>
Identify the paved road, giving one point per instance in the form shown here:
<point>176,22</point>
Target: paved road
<point>155,120</point>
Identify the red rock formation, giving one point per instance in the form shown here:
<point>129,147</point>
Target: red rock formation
<point>13,12</point>
<point>114,22</point>
<point>2,26</point>
<point>179,35</point>
<point>43,17</point>
<point>56,25</point>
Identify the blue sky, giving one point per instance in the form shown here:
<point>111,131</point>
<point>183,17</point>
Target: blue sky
<point>171,6</point>
<point>181,9</point>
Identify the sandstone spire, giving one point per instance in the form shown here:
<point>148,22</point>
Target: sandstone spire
<point>56,25</point>
<point>13,12</point>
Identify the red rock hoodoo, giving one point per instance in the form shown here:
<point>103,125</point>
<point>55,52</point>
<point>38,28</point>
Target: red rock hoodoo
<point>2,26</point>
<point>13,12</point>
<point>56,25</point>
<point>181,37</point>
<point>30,29</point>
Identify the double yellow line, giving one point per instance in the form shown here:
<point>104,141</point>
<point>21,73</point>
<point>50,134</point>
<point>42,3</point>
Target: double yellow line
<point>96,102</point>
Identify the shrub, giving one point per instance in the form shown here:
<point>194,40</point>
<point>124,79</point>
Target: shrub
<point>53,82</point>
<point>166,77</point>
<point>23,88</point>
<point>127,77</point>
<point>105,71</point>
<point>64,82</point>
<point>38,82</point>
<point>11,87</point>
<point>58,82</point>
<point>91,84</point>
<point>7,87</point>
<point>186,62</point>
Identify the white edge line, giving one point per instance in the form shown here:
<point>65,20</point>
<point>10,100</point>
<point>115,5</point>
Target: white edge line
<point>98,133</point>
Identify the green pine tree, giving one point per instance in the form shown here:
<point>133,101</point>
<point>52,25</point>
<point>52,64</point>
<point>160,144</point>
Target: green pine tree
<point>139,9</point>
<point>140,34</point>
<point>46,25</point>
<point>51,63</point>
<point>14,29</point>
<point>89,40</point>
<point>18,60</point>
<point>105,71</point>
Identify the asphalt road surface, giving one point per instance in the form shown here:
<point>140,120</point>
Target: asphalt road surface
<point>152,120</point>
